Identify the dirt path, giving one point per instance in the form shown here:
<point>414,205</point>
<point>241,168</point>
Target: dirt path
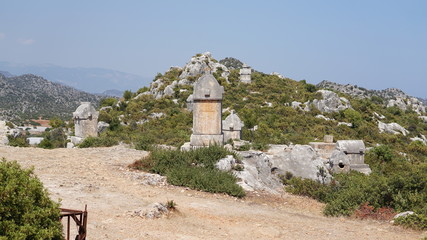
<point>99,178</point>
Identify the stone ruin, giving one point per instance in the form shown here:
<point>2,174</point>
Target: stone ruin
<point>85,122</point>
<point>355,151</point>
<point>232,127</point>
<point>342,156</point>
<point>207,112</point>
<point>245,74</point>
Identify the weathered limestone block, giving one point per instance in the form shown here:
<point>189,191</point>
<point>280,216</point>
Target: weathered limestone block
<point>86,120</point>
<point>232,127</point>
<point>207,112</point>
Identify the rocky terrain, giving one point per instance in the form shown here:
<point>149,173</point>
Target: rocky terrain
<point>30,96</point>
<point>115,197</point>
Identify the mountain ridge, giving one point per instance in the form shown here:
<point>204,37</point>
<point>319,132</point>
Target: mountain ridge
<point>29,96</point>
<point>92,80</point>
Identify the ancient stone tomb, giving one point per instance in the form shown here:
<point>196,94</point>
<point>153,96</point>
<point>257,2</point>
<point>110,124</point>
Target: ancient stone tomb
<point>207,112</point>
<point>86,120</point>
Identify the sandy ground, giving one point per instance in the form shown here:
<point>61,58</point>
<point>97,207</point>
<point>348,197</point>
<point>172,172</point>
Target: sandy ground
<point>99,178</point>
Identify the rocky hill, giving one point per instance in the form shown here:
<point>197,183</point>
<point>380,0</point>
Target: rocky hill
<point>274,109</point>
<point>30,96</point>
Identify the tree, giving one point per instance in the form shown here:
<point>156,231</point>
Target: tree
<point>127,95</point>
<point>56,122</point>
<point>26,211</point>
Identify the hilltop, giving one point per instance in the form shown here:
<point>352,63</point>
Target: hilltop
<point>30,96</point>
<point>275,109</point>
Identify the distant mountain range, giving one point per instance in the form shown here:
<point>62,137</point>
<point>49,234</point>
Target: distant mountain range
<point>30,96</point>
<point>92,80</point>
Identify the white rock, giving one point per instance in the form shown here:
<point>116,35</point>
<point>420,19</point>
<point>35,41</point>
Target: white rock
<point>392,128</point>
<point>331,102</point>
<point>403,214</point>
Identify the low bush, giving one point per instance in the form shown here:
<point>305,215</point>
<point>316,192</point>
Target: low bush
<point>98,142</point>
<point>194,169</point>
<point>26,212</point>
<point>19,141</point>
<point>414,221</point>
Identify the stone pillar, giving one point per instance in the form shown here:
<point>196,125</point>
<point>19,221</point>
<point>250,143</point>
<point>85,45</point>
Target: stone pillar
<point>86,120</point>
<point>232,127</point>
<point>245,74</point>
<point>207,112</point>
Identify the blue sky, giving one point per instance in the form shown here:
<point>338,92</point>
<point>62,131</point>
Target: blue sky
<point>375,44</point>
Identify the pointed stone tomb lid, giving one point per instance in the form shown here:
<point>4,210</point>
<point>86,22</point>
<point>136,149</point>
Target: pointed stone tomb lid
<point>208,88</point>
<point>232,122</point>
<point>85,111</point>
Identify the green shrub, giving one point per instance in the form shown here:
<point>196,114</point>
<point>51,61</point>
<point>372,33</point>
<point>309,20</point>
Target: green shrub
<point>414,221</point>
<point>98,142</point>
<point>19,141</point>
<point>194,169</point>
<point>307,187</point>
<point>26,212</point>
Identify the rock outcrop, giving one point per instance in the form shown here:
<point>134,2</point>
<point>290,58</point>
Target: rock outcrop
<point>331,102</point>
<point>407,103</point>
<point>392,128</point>
<point>201,64</point>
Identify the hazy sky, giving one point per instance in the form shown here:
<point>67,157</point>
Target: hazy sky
<point>371,43</point>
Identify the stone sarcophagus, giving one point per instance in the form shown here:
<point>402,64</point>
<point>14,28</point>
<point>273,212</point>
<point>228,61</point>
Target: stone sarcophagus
<point>86,120</point>
<point>207,112</point>
<point>355,151</point>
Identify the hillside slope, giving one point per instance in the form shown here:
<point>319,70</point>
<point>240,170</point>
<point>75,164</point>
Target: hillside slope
<point>282,110</point>
<point>30,96</point>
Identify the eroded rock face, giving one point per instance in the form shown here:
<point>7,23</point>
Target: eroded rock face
<point>392,128</point>
<point>407,103</point>
<point>331,102</point>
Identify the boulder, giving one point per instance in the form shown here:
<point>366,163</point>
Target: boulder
<point>226,164</point>
<point>257,173</point>
<point>155,210</point>
<point>331,102</point>
<point>301,160</point>
<point>392,128</point>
